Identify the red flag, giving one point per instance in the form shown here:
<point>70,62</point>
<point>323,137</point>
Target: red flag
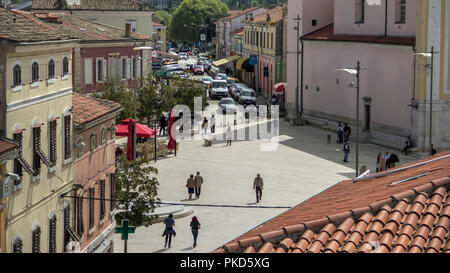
<point>130,140</point>
<point>172,133</point>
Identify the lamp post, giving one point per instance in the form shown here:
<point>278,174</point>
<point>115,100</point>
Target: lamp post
<point>355,71</point>
<point>296,113</point>
<point>430,55</point>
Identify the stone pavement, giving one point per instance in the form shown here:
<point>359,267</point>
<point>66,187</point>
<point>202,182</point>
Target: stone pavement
<point>303,166</point>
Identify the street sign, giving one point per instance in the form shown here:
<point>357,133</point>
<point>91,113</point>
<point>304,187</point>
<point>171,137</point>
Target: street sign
<point>203,37</point>
<point>253,60</point>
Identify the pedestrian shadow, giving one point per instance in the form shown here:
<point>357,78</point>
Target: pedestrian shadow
<point>184,200</point>
<point>254,203</point>
<point>348,175</point>
<point>188,248</point>
<point>162,250</point>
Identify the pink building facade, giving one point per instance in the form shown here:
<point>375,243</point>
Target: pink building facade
<point>94,167</point>
<point>382,39</point>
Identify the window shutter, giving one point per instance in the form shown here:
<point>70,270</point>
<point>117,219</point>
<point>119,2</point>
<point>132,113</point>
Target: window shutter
<point>138,68</point>
<point>80,219</point>
<point>110,68</point>
<point>36,240</point>
<point>17,166</point>
<point>66,226</point>
<point>91,208</point>
<point>128,72</point>
<point>17,246</point>
<point>102,199</point>
<point>118,73</point>
<point>52,235</point>
<point>112,184</point>
<point>36,148</point>
<point>104,70</point>
<point>97,79</point>
<point>53,142</point>
<point>88,71</point>
<point>67,138</point>
<point>132,68</point>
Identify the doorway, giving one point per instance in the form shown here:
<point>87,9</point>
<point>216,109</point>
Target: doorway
<point>367,117</point>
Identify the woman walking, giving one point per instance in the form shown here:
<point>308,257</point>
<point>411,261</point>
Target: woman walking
<point>205,125</point>
<point>229,134</point>
<point>169,231</point>
<point>195,226</point>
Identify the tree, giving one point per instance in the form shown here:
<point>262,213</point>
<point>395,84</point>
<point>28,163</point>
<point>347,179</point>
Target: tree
<point>154,99</point>
<point>115,90</point>
<point>186,91</point>
<point>193,12</point>
<point>136,191</point>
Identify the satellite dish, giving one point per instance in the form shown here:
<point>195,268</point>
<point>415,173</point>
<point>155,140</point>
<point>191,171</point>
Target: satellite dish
<point>73,247</point>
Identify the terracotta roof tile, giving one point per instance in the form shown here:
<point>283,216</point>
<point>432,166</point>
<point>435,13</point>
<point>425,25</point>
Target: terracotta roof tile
<point>416,224</point>
<point>91,5</point>
<point>6,145</point>
<point>276,14</point>
<point>86,109</point>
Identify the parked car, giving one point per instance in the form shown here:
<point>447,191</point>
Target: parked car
<point>227,106</point>
<point>247,96</point>
<point>219,89</point>
<point>236,90</point>
<point>184,56</point>
<point>189,68</point>
<point>206,65</point>
<point>231,80</point>
<point>221,76</point>
<point>207,80</point>
<point>198,70</point>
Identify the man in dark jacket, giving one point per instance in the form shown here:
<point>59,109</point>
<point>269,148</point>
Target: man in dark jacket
<point>346,151</point>
<point>162,125</point>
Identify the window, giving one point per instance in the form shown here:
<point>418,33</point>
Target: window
<point>100,70</point>
<point>52,235</point>
<point>38,154</point>
<point>91,207</point>
<point>359,11</point>
<point>103,136</point>
<point>271,41</point>
<point>134,68</point>
<point>92,142</point>
<point>102,199</point>
<point>34,72</point>
<point>17,245</point>
<point>124,69</point>
<point>51,69</point>
<point>20,162</point>
<point>52,145</point>
<point>80,148</point>
<point>112,191</point>
<point>65,66</point>
<point>36,240</point>
<point>113,129</point>
<point>17,75</point>
<point>88,71</point>
<point>66,214</point>
<point>67,138</point>
<point>400,11</point>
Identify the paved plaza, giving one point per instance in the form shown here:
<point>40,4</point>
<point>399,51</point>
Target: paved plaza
<point>302,166</point>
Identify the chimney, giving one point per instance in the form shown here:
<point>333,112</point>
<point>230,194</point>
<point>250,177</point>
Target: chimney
<point>127,29</point>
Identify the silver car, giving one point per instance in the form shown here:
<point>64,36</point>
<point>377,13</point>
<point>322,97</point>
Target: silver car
<point>236,90</point>
<point>227,106</point>
<point>247,96</point>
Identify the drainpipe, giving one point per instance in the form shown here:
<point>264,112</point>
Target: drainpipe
<point>385,18</point>
<point>301,80</point>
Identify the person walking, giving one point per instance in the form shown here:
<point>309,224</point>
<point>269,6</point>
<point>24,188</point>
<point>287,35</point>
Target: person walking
<point>162,125</point>
<point>190,184</point>
<point>379,156</point>
<point>433,150</point>
<point>386,160</point>
<point>169,231</point>
<point>258,186</point>
<point>408,144</point>
<point>213,124</point>
<point>346,151</point>
<point>198,184</point>
<point>340,131</point>
<point>205,125</point>
<point>382,163</point>
<point>195,226</point>
<point>347,132</point>
<point>229,134</point>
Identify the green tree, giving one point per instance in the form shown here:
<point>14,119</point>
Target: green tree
<point>165,16</point>
<point>136,191</point>
<point>115,90</point>
<point>154,99</point>
<point>186,91</point>
<point>193,12</point>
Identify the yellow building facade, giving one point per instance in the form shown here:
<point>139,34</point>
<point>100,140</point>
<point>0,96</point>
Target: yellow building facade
<point>37,93</point>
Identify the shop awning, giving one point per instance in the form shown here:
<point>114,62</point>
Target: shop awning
<point>226,60</point>
<point>279,87</point>
<point>240,62</point>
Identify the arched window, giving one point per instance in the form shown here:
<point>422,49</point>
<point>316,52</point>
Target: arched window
<point>17,245</point>
<point>34,72</point>
<point>65,66</point>
<point>92,142</point>
<point>103,136</point>
<point>113,129</point>
<point>36,240</point>
<point>51,69</point>
<point>80,146</point>
<point>17,75</point>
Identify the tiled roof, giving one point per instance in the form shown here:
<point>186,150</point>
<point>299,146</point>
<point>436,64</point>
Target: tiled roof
<point>6,145</point>
<point>89,5</point>
<point>86,109</point>
<point>276,14</point>
<point>366,215</point>
<point>18,26</point>
<point>85,29</point>
<point>327,34</point>
<point>238,13</point>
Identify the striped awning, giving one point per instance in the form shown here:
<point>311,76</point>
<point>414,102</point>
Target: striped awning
<point>226,60</point>
<point>241,62</point>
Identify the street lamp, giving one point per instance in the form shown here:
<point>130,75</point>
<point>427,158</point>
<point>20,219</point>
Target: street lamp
<point>430,54</point>
<point>298,68</point>
<point>355,71</point>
